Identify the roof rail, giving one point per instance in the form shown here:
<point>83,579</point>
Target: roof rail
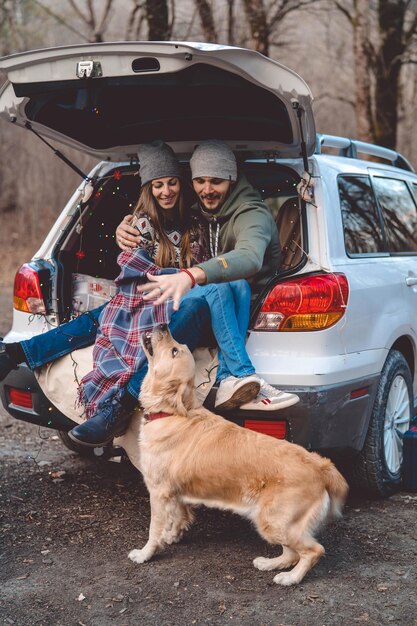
<point>350,148</point>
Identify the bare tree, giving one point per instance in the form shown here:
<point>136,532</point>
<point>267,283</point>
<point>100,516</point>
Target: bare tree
<point>397,21</point>
<point>19,25</point>
<point>8,30</point>
<point>263,19</point>
<point>362,71</point>
<point>258,24</point>
<point>88,15</point>
<point>358,17</point>
<point>380,53</point>
<point>157,17</point>
<point>95,17</point>
<point>135,21</point>
<point>230,19</point>
<point>207,20</point>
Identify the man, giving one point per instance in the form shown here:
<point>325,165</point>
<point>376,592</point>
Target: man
<point>243,241</point>
<point>243,236</point>
<point>244,244</point>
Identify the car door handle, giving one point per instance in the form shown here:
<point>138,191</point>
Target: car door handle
<point>411,280</point>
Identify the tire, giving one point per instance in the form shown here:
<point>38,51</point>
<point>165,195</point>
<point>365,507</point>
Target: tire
<point>378,468</point>
<point>74,446</point>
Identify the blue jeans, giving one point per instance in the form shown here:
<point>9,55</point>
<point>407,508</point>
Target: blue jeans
<point>228,303</point>
<point>190,325</point>
<point>230,308</point>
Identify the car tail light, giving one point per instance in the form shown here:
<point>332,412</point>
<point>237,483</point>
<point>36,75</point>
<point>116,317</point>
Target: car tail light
<point>27,294</point>
<point>267,427</point>
<point>309,303</point>
<point>21,398</point>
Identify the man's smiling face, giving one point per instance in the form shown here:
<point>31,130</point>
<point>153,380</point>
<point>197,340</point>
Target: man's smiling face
<point>212,192</point>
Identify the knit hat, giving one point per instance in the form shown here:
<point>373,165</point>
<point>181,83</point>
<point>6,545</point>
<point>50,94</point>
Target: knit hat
<point>214,159</point>
<point>157,160</point>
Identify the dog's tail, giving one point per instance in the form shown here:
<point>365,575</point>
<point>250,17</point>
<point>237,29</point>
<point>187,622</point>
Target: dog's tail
<point>336,486</point>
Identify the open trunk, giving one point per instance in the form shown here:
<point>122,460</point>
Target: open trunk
<point>87,249</point>
<point>105,99</point>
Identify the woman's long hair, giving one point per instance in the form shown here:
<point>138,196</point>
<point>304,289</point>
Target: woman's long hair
<point>166,257</point>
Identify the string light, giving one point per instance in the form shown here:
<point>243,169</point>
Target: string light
<point>102,192</point>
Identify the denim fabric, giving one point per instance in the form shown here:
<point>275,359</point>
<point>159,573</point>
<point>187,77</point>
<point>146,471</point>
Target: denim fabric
<point>230,309</point>
<point>77,333</point>
<point>228,303</point>
<point>190,325</point>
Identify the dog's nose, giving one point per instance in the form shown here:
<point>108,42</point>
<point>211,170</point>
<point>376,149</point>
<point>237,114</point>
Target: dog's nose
<point>163,327</point>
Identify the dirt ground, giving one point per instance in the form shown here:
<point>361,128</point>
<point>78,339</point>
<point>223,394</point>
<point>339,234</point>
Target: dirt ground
<point>67,525</point>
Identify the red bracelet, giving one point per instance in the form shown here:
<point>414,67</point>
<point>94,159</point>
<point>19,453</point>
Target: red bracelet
<point>183,269</point>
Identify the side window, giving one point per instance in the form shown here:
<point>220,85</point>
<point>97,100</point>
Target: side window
<point>399,213</point>
<point>361,223</point>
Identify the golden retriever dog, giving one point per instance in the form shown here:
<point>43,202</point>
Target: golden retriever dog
<point>190,456</point>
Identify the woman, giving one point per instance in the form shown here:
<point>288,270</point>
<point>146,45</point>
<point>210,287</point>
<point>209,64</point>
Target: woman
<point>169,238</point>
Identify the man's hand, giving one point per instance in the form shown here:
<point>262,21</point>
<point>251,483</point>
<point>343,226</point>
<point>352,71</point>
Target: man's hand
<point>173,286</point>
<point>127,237</point>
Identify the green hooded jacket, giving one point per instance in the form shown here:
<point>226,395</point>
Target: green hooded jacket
<point>248,244</point>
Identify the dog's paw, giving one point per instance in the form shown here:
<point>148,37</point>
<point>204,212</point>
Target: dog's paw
<point>263,564</point>
<point>286,579</point>
<point>139,556</point>
<point>172,537</point>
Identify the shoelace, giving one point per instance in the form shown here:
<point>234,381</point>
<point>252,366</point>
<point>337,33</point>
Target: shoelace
<point>266,387</point>
<point>110,411</point>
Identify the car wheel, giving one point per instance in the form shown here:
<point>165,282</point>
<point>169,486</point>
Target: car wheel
<point>378,468</point>
<point>74,446</point>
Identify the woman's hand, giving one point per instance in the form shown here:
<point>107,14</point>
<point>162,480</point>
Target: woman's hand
<point>173,286</point>
<point>127,237</point>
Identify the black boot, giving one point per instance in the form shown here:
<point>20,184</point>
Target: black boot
<point>7,364</point>
<point>111,421</point>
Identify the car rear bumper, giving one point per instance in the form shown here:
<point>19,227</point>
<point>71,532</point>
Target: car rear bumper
<point>42,412</point>
<point>331,419</point>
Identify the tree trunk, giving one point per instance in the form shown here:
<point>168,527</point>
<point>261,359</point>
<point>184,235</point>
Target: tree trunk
<point>391,14</point>
<point>157,18</point>
<point>207,22</point>
<point>230,23</point>
<point>364,117</point>
<point>258,24</point>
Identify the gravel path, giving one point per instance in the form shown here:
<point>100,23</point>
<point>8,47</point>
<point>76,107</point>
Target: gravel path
<point>67,525</point>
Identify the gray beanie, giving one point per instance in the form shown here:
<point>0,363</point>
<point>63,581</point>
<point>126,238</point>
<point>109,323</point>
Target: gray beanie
<point>157,160</point>
<point>215,159</point>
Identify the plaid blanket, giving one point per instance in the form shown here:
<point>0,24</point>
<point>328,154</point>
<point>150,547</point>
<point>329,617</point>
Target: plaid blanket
<point>118,352</point>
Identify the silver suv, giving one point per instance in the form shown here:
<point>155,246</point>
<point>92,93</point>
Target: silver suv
<point>337,325</point>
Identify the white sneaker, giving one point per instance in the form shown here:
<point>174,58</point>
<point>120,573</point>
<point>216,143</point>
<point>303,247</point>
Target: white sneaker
<point>270,399</point>
<point>233,391</point>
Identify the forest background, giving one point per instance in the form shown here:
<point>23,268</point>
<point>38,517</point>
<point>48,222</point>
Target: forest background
<point>359,58</point>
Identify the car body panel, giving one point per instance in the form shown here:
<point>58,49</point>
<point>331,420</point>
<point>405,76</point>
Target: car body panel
<point>381,307</point>
<point>327,418</point>
<point>285,359</point>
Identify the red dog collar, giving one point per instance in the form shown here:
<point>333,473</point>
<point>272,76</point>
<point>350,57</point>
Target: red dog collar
<point>157,416</point>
